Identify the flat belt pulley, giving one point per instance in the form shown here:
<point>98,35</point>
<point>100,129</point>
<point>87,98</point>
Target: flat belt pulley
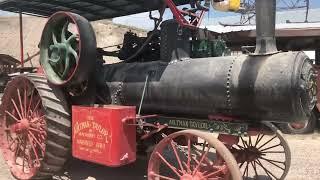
<point>67,49</point>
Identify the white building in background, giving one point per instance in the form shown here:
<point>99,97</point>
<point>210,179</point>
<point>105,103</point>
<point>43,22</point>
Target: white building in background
<point>284,20</point>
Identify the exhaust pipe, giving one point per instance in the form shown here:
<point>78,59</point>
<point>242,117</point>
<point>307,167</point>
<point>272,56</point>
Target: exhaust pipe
<point>265,27</point>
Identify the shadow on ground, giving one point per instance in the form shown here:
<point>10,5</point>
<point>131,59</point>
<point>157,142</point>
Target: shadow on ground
<point>81,170</point>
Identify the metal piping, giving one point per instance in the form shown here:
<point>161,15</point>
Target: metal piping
<point>265,27</point>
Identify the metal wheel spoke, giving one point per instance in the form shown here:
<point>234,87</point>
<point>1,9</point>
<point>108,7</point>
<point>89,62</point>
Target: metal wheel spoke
<point>74,54</point>
<point>54,62</point>
<point>64,31</point>
<point>37,105</point>
<point>72,38</point>
<point>41,118</point>
<point>16,108</point>
<point>241,165</point>
<point>168,164</point>
<point>266,170</point>
<point>66,67</point>
<point>239,146</point>
<point>275,161</point>
<point>162,177</point>
<point>273,152</point>
<point>203,156</point>
<point>25,101</point>
<point>30,160</point>
<point>243,142</point>
<point>219,171</point>
<point>271,162</point>
<point>35,130</point>
<point>24,155</point>
<point>13,142</point>
<point>36,140</point>
<point>204,146</point>
<point>20,102</point>
<point>267,142</point>
<point>176,154</point>
<point>258,140</point>
<point>245,170</point>
<point>17,149</point>
<point>9,136</point>
<point>189,154</point>
<point>12,116</point>
<point>254,168</point>
<point>216,178</point>
<point>34,150</point>
<point>31,100</point>
<point>185,164</point>
<point>206,159</point>
<point>54,38</point>
<point>271,147</point>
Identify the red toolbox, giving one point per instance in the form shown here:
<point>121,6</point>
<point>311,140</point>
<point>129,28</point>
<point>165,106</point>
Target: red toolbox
<point>101,135</point>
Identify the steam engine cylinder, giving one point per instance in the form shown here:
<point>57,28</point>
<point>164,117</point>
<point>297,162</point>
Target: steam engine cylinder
<point>279,87</point>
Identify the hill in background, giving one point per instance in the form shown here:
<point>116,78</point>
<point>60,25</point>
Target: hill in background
<point>107,33</point>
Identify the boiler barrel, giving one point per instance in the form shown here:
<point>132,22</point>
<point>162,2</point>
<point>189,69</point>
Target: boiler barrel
<point>279,88</point>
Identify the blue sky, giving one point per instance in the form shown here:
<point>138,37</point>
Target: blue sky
<point>142,20</point>
<point>315,3</point>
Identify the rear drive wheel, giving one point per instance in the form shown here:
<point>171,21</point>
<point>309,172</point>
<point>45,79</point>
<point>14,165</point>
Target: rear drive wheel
<point>35,128</point>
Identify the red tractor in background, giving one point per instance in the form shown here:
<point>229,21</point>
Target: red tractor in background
<point>163,99</point>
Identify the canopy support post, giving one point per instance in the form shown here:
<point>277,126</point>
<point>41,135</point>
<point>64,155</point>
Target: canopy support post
<point>21,39</point>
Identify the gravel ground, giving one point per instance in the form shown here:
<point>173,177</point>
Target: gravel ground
<point>305,164</point>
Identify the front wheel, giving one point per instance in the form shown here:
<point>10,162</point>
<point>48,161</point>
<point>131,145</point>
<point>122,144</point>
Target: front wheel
<point>192,155</point>
<point>263,154</point>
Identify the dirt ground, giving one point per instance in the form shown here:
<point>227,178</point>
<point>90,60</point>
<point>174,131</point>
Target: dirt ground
<point>305,164</point>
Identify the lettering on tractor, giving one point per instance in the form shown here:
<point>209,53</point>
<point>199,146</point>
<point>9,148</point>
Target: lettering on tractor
<point>91,134</point>
<point>102,139</point>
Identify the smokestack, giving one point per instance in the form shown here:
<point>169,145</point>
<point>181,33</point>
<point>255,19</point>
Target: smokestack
<point>265,27</point>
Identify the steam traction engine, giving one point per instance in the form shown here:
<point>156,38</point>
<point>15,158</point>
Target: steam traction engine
<point>167,108</point>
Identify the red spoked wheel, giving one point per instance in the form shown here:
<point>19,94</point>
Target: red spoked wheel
<point>263,154</point>
<point>192,155</point>
<point>25,131</point>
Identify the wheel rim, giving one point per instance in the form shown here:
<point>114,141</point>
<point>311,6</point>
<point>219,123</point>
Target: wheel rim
<point>23,127</point>
<point>262,155</point>
<point>60,47</point>
<point>190,160</point>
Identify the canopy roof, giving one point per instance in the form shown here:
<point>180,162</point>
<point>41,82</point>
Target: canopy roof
<point>91,9</point>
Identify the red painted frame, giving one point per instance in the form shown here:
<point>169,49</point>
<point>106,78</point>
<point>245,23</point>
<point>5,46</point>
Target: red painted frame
<point>179,15</point>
